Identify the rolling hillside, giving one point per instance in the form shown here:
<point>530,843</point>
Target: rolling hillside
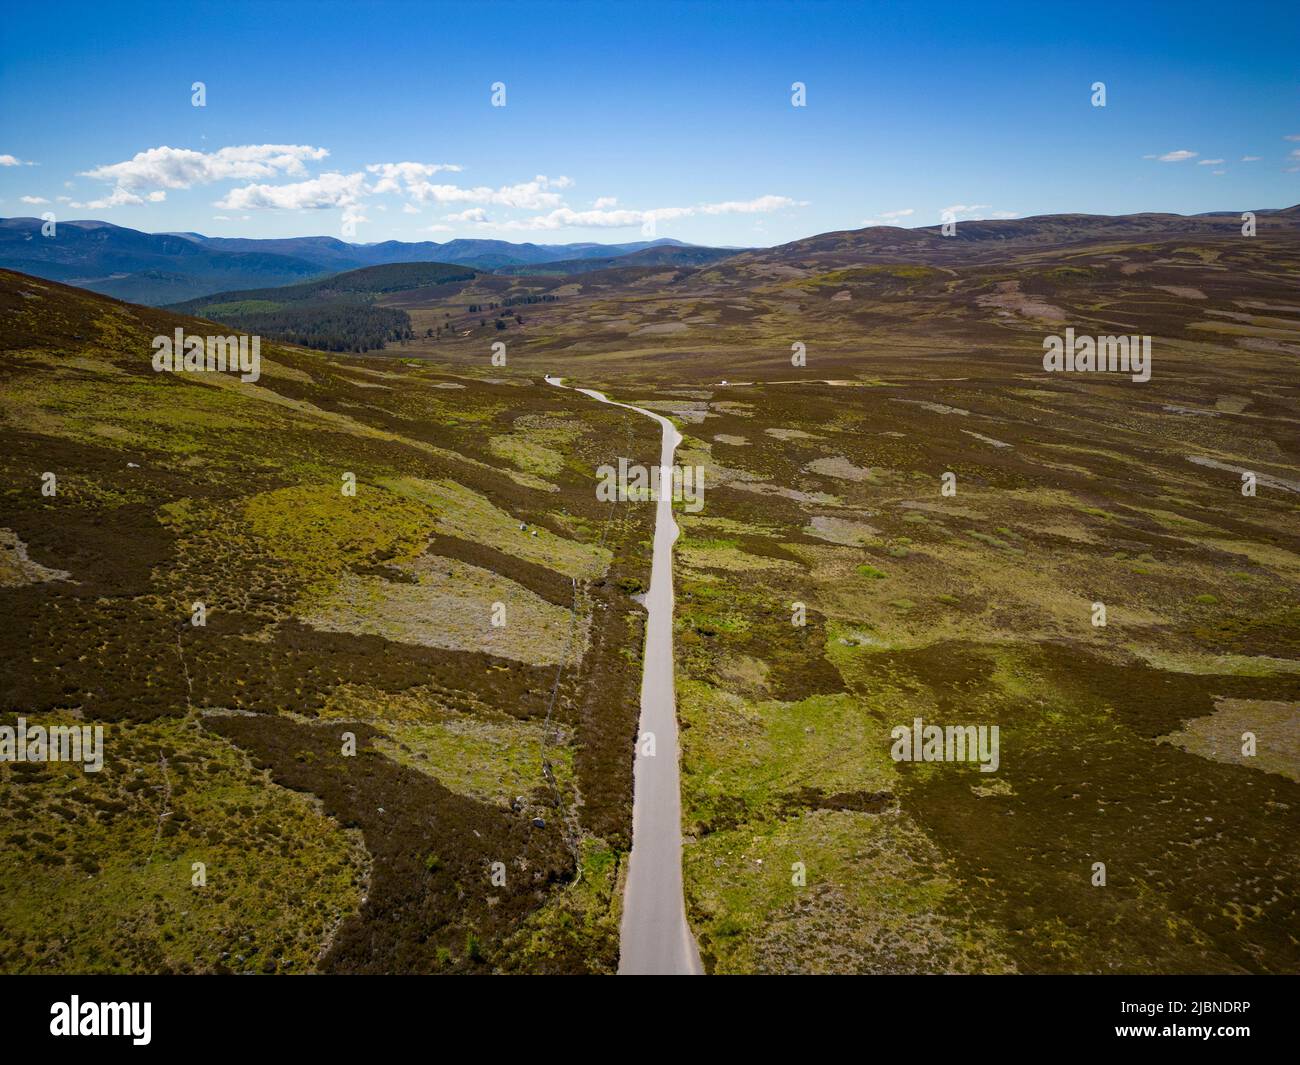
<point>144,267</point>
<point>166,268</point>
<point>973,242</point>
<point>336,313</point>
<point>660,255</point>
<point>330,619</point>
<point>824,483</point>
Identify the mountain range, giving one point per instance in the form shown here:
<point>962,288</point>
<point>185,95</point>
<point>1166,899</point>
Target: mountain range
<point>162,268</point>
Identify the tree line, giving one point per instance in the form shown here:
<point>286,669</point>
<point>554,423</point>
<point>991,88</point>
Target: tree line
<point>340,324</point>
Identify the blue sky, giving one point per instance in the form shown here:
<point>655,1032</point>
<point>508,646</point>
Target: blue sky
<point>627,119</point>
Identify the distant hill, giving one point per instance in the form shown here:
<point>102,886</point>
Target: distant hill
<point>177,268</point>
<point>337,255</point>
<point>140,267</point>
<point>335,313</point>
<point>980,241</point>
<point>164,268</point>
<point>371,280</point>
<point>659,255</point>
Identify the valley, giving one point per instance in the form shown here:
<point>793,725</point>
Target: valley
<point>905,517</point>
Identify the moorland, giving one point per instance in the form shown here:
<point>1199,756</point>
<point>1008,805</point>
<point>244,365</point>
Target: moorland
<point>905,517</point>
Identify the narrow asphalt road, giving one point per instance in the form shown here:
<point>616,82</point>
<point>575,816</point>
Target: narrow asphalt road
<point>655,938</point>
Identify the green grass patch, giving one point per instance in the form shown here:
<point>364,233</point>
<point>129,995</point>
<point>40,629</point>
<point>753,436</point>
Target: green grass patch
<point>96,874</point>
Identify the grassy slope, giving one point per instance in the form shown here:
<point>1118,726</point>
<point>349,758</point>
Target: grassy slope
<point>977,609</point>
<point>225,742</point>
<point>1119,744</point>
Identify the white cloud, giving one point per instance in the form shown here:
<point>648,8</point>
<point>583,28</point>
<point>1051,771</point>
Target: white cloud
<point>965,208</point>
<point>471,214</point>
<point>566,218</point>
<point>621,218</point>
<point>1292,137</point>
<point>1250,158</point>
<point>182,168</point>
<point>1179,156</point>
<point>162,168</point>
<point>412,180</point>
<point>146,176</point>
<point>11,160</point>
<point>535,195</point>
<point>121,197</point>
<point>392,176</point>
<point>1209,162</point>
<point>328,190</point>
<point>760,205</point>
<point>33,199</point>
<point>117,198</point>
<point>889,218</point>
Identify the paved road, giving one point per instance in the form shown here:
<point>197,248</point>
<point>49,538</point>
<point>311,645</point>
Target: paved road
<point>655,938</point>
